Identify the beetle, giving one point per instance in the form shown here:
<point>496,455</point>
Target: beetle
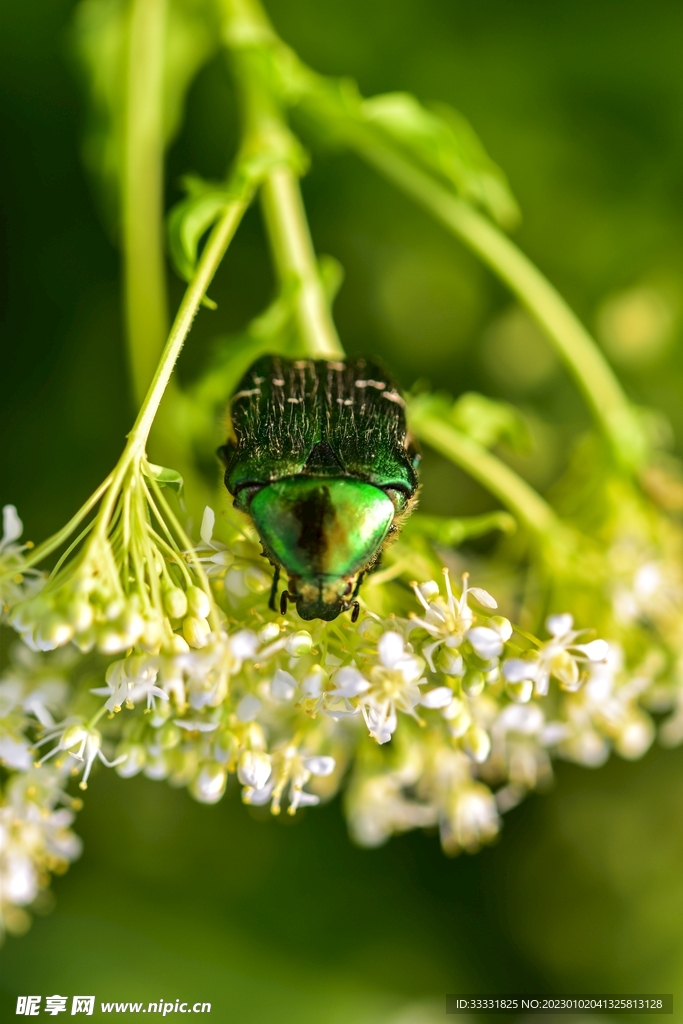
<point>320,459</point>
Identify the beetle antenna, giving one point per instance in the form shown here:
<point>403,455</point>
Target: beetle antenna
<point>356,612</point>
<point>283,602</point>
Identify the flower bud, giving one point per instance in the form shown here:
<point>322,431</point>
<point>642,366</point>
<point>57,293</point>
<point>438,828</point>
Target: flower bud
<point>473,682</point>
<point>135,759</point>
<point>175,602</point>
<point>169,736</point>
<point>198,602</point>
<point>110,641</point>
<point>520,692</point>
<point>477,744</point>
<point>254,769</point>
<point>80,613</point>
<point>54,631</point>
<point>450,662</point>
<point>299,643</point>
<point>73,736</point>
<point>196,631</point>
<point>209,785</point>
<point>635,737</point>
<point>269,632</point>
<point>429,590</point>
<point>502,626</point>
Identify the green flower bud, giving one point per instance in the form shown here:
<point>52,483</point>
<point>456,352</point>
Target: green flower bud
<point>175,602</point>
<point>196,631</point>
<point>521,692</point>
<point>473,682</point>
<point>299,643</point>
<point>477,744</point>
<point>80,613</point>
<point>169,736</point>
<point>135,759</point>
<point>198,603</point>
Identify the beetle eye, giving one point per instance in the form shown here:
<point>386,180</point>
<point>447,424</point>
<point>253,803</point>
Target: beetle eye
<point>398,497</point>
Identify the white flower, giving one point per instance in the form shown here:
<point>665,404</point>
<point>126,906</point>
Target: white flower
<point>82,743</point>
<point>394,686</point>
<point>559,657</point>
<point>451,620</point>
<point>129,681</point>
<point>213,554</point>
<point>293,769</point>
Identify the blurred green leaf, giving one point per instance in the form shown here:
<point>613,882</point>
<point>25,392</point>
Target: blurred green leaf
<point>454,531</point>
<point>489,422</point>
<point>444,142</point>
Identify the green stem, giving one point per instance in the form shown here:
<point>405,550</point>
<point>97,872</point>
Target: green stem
<point>266,130</point>
<point>294,257</point>
<point>211,257</point>
<point>521,499</point>
<point>142,193</point>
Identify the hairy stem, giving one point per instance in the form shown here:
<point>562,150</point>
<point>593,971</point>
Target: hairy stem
<point>206,268</point>
<point>142,193</point>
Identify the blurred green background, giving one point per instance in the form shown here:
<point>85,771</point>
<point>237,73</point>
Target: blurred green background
<point>285,921</point>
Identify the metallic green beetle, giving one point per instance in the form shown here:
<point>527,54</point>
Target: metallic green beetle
<point>319,457</point>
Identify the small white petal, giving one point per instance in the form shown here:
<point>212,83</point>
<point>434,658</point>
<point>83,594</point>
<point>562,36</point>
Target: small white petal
<point>483,597</point>
<point>306,800</point>
<point>390,648</point>
<point>349,682</point>
<point>596,650</point>
<point>195,726</point>
<point>486,642</point>
<point>15,754</point>
<point>12,526</point>
<point>282,685</point>
<point>439,697</point>
<point>208,523</point>
<point>320,765</point>
<point>559,625</point>
<point>258,797</point>
<point>516,670</point>
<point>248,708</point>
<point>254,769</point>
<point>244,644</point>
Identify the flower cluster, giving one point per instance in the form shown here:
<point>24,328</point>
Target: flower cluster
<point>441,713</point>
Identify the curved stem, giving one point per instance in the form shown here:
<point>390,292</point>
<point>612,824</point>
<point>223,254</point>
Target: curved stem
<point>212,255</point>
<point>594,376</point>
<point>522,500</point>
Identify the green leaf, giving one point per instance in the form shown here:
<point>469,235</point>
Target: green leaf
<point>445,143</point>
<point>165,477</point>
<point>489,422</point>
<point>454,531</point>
<point>190,219</point>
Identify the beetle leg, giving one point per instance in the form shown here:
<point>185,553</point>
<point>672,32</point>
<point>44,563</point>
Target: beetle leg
<point>361,577</point>
<point>356,612</point>
<point>273,589</point>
